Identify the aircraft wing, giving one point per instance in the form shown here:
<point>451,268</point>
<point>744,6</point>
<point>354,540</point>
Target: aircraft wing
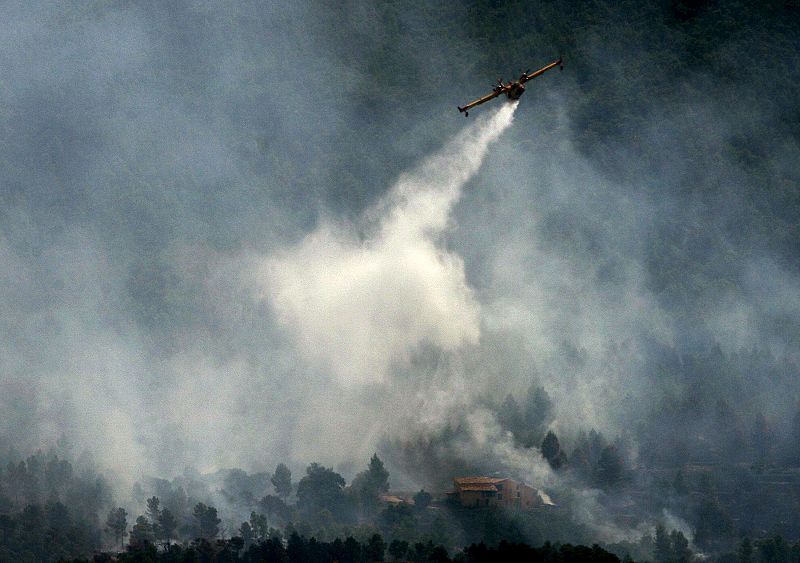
<point>480,101</point>
<point>525,77</point>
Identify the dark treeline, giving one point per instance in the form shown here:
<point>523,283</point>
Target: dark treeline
<point>55,510</point>
<point>705,453</point>
<point>301,550</point>
<point>51,508</point>
<point>68,514</point>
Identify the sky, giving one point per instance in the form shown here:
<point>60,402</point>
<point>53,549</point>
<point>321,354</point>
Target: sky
<point>224,243</point>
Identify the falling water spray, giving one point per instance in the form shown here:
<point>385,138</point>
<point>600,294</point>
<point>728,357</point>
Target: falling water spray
<point>360,298</point>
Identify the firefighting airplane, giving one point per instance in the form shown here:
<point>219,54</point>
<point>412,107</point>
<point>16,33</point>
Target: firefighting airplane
<point>513,89</point>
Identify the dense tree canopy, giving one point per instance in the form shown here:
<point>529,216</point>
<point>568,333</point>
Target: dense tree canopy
<point>282,481</point>
<point>320,489</point>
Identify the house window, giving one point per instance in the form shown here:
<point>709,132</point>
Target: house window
<point>518,495</point>
<point>500,496</point>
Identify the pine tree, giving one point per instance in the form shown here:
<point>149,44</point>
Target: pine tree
<point>153,513</point>
<point>745,552</point>
<point>680,547</point>
<point>609,467</point>
<point>167,524</point>
<point>207,521</point>
<point>551,451</point>
<point>510,415</point>
<point>663,548</point>
<point>258,524</point>
<point>282,481</point>
<point>117,524</point>
<point>142,533</point>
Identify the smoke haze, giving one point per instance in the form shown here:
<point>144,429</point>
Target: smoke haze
<point>362,300</point>
<point>238,234</point>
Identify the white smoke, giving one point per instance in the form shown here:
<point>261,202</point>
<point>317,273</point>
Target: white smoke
<point>360,299</point>
<point>487,435</point>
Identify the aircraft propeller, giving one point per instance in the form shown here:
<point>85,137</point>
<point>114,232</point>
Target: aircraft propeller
<point>514,89</point>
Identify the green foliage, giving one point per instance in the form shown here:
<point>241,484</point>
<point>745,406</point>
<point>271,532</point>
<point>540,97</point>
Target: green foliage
<point>510,416</point>
<point>67,525</point>
<point>247,535</point>
<point>258,526</point>
<point>298,549</point>
<point>773,550</point>
<point>537,412</point>
<point>242,489</point>
<point>745,552</point>
<point>713,524</point>
<point>206,521</point>
<point>377,475</point>
<point>167,524</point>
<point>505,551</point>
<point>117,524</point>
<point>142,533</point>
<point>422,499</point>
<point>671,547</point>
<point>399,522</point>
<point>581,460</point>
<point>275,507</point>
<point>153,513</point>
<point>680,547</point>
<point>398,549</point>
<point>551,451</point>
<point>375,548</point>
<point>282,481</point>
<point>527,421</point>
<point>370,484</point>
<point>321,489</point>
<point>663,546</point>
<point>610,467</point>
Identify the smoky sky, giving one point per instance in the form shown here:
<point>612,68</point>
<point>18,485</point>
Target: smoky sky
<point>179,183</point>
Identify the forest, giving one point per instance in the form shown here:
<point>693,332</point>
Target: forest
<point>52,509</point>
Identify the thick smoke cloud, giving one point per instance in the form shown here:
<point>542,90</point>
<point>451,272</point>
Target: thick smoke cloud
<point>362,300</point>
<point>207,258</point>
<point>153,156</point>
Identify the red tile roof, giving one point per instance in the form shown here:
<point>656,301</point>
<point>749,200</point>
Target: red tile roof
<point>473,480</point>
<point>478,487</point>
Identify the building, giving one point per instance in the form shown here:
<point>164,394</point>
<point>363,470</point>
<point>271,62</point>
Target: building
<point>395,500</point>
<point>497,491</point>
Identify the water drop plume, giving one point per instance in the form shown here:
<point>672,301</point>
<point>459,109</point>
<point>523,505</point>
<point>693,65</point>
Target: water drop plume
<point>361,298</point>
